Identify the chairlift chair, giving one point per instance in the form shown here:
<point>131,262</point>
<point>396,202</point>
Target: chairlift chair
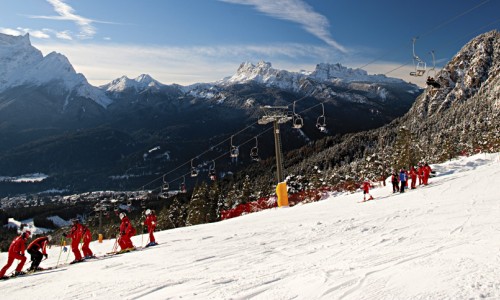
<point>430,79</point>
<point>254,152</point>
<point>194,170</point>
<point>420,66</point>
<point>297,121</point>
<point>182,186</point>
<point>321,121</point>
<point>211,171</point>
<point>234,151</point>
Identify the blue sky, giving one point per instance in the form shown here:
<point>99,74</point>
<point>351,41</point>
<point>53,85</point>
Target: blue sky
<point>188,41</point>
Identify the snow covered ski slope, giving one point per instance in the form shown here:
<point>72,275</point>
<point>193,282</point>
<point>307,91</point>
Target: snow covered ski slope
<point>441,241</point>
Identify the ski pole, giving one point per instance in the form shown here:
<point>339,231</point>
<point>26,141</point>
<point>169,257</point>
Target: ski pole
<point>60,252</point>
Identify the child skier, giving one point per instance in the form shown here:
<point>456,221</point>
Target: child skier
<point>366,190</point>
<point>16,251</point>
<point>37,250</point>
<point>151,223</point>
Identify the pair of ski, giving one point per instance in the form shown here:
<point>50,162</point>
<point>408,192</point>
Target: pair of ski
<point>31,272</point>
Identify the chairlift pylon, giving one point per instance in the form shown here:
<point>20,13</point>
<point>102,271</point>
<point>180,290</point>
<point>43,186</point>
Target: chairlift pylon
<point>419,64</point>
<point>297,121</point>
<point>321,121</point>
<point>254,152</point>
<point>234,151</point>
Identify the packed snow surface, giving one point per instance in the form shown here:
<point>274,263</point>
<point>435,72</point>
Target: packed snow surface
<point>440,241</point>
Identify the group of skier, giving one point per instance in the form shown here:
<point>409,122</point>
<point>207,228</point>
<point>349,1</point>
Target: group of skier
<point>78,233</point>
<point>400,179</point>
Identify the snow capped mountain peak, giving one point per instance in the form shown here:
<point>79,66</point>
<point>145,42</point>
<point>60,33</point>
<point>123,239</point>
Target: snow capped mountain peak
<point>264,73</point>
<point>21,40</point>
<point>140,83</point>
<point>23,64</point>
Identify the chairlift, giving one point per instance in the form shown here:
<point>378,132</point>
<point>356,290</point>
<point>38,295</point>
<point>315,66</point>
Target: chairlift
<point>194,170</point>
<point>234,152</point>
<point>254,152</point>
<point>211,171</point>
<point>419,64</point>
<point>321,121</point>
<point>297,121</point>
<point>163,191</point>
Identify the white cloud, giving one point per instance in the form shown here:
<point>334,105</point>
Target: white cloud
<point>10,31</point>
<point>67,13</point>
<point>64,35</point>
<point>296,11</point>
<point>40,34</point>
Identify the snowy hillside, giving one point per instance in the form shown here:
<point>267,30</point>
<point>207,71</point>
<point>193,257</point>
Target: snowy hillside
<point>437,242</point>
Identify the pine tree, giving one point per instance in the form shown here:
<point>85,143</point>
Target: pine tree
<point>246,191</point>
<point>199,207</point>
<point>177,213</point>
<point>214,198</point>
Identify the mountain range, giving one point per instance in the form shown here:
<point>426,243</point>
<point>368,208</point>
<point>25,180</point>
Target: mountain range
<point>53,121</point>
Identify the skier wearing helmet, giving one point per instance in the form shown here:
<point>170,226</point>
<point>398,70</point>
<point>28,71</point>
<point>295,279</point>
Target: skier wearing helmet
<point>151,223</point>
<point>16,251</point>
<point>38,249</point>
<point>126,232</point>
<point>75,234</point>
<point>366,190</point>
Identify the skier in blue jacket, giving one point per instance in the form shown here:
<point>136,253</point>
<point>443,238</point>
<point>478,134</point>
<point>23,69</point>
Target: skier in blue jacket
<point>403,177</point>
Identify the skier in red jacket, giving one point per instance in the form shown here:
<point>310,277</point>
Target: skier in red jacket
<point>16,251</point>
<point>420,173</point>
<point>151,223</point>
<point>427,173</point>
<point>413,176</point>
<point>75,234</point>
<point>126,232</point>
<point>366,190</point>
<point>37,250</point>
<point>87,238</point>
